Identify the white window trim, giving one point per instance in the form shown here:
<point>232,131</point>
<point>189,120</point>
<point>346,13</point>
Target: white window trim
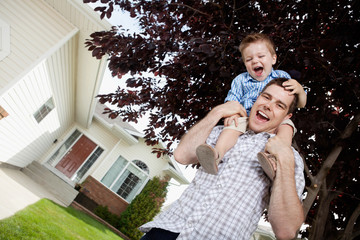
<point>121,173</point>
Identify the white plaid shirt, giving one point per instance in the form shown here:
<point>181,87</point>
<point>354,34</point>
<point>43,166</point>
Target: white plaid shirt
<point>228,205</point>
<point>245,89</point>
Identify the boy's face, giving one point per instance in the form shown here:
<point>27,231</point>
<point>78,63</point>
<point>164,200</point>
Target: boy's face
<point>258,60</point>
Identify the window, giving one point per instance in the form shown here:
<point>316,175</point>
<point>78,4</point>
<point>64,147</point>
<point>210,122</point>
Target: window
<point>126,178</point>
<point>87,165</point>
<point>56,157</point>
<point>3,113</point>
<point>44,110</point>
<point>141,165</point>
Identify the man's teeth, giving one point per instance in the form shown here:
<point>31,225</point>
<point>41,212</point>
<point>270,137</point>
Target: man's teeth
<point>263,114</point>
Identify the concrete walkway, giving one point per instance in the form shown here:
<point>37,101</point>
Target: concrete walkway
<point>17,191</point>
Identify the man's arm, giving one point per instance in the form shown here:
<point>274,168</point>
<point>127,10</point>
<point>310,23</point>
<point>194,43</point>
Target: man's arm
<point>185,151</point>
<point>285,209</point>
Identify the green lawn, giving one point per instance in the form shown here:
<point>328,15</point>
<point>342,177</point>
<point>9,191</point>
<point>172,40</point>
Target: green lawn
<point>47,220</point>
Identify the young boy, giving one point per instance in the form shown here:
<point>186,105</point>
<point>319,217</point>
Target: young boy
<point>258,53</point>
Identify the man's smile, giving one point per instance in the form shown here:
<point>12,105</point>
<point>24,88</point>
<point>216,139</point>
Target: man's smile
<point>261,116</point>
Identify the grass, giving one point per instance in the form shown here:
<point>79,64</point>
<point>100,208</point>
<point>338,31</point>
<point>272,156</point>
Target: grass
<point>48,220</point>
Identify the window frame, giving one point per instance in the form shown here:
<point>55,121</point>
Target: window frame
<point>44,110</point>
<point>121,172</point>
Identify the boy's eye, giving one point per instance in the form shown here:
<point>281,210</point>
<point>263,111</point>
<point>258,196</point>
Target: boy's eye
<point>261,56</point>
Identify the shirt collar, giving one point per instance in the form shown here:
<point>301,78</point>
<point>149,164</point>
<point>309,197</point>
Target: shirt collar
<point>266,134</point>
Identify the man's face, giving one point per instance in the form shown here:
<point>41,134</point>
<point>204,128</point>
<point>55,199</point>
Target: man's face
<point>270,109</point>
<point>258,60</point>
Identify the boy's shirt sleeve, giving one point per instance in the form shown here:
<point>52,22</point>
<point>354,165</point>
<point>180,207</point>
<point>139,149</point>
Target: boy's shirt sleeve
<point>282,74</point>
<point>236,93</point>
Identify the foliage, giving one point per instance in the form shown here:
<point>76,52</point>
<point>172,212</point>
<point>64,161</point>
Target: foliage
<point>104,213</point>
<point>143,208</point>
<point>47,220</point>
<point>188,50</point>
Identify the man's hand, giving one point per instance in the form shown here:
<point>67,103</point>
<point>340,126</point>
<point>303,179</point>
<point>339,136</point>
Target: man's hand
<point>228,121</point>
<point>275,146</point>
<point>228,109</point>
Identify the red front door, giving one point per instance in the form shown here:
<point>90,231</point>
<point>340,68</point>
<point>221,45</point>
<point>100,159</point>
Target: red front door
<point>76,156</point>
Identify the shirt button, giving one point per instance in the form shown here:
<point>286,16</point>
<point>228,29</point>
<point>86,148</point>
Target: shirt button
<point>219,185</point>
<point>189,225</point>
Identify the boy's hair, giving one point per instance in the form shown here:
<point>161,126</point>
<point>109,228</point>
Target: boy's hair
<point>254,37</point>
<point>279,82</point>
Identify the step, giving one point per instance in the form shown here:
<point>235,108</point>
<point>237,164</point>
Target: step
<point>62,190</point>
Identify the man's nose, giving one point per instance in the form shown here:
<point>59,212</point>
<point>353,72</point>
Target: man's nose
<point>268,105</point>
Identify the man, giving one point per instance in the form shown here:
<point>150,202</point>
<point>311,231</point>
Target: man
<point>229,205</point>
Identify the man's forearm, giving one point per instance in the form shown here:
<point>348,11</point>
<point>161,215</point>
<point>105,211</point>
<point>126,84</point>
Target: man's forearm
<point>185,151</point>
<point>285,210</point>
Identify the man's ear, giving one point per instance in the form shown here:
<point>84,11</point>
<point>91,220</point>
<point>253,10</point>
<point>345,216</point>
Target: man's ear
<point>288,116</point>
<point>274,57</point>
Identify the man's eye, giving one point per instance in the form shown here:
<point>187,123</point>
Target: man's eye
<point>266,96</point>
<point>281,106</point>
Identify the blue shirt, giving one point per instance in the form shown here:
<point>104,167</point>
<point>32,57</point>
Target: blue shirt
<point>245,89</point>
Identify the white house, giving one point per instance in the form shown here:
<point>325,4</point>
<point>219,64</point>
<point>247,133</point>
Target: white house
<point>51,126</point>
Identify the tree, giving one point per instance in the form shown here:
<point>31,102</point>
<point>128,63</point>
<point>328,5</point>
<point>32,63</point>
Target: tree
<point>188,50</point>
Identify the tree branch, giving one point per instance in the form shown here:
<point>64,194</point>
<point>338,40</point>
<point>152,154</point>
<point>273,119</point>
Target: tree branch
<point>195,10</point>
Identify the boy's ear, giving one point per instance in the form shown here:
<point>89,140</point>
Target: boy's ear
<point>274,57</point>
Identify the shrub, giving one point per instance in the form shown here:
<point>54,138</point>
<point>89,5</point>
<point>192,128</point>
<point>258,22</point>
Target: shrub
<point>104,213</point>
<point>143,208</point>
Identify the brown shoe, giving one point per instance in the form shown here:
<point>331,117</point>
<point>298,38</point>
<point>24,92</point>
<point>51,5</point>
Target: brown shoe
<point>265,160</point>
<point>208,158</point>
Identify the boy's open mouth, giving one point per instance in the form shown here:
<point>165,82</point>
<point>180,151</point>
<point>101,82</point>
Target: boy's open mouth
<point>262,116</point>
<point>258,71</point>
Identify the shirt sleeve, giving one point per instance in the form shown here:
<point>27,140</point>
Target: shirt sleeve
<point>299,174</point>
<point>235,93</point>
<point>213,137</point>
<point>282,74</point>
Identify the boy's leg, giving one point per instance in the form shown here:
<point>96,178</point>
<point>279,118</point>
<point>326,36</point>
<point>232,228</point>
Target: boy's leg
<point>210,157</point>
<point>285,132</point>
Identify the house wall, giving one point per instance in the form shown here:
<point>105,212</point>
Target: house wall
<point>91,71</point>
<point>36,31</point>
<point>97,192</point>
<point>22,139</point>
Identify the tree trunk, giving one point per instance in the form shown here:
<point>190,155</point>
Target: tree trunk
<point>318,180</point>
<point>319,226</point>
<point>350,225</point>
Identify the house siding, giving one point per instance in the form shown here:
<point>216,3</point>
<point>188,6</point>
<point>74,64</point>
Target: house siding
<point>32,37</point>
<point>22,138</point>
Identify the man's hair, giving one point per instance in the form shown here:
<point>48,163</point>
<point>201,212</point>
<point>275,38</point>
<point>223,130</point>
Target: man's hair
<point>279,82</point>
<point>255,37</point>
